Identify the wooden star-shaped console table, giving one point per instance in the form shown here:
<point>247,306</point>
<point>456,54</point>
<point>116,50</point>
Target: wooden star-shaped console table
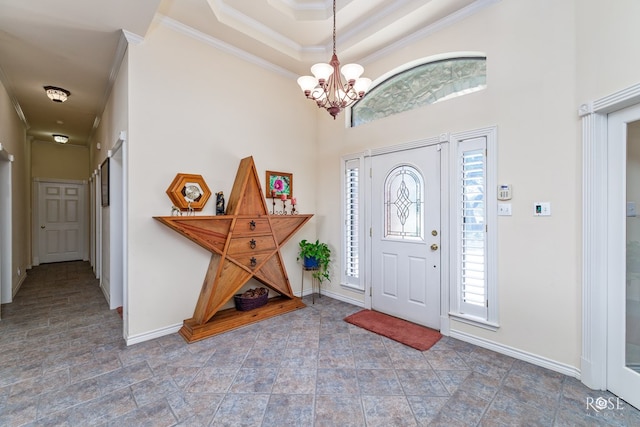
<point>245,243</point>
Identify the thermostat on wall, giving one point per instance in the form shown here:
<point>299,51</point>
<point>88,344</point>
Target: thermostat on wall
<point>504,192</point>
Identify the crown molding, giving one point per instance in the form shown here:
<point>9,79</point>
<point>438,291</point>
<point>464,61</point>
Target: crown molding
<point>14,101</point>
<point>451,19</point>
<point>224,47</point>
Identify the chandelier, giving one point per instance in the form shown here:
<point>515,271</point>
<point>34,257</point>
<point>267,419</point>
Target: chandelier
<point>327,88</point>
<point>57,94</point>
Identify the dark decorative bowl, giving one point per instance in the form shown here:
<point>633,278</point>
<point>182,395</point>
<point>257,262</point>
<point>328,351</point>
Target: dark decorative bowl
<point>246,304</point>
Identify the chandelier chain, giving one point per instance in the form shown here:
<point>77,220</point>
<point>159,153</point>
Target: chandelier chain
<point>334,27</point>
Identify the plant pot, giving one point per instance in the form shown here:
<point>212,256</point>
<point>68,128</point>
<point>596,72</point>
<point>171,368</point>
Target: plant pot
<point>310,263</point>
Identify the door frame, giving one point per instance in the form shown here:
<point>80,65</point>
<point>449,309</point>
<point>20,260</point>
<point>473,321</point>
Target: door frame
<point>443,142</point>
<point>35,217</point>
<point>6,259</point>
<point>595,225</point>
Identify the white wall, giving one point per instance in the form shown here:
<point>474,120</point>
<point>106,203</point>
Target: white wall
<point>57,161</point>
<point>530,48</point>
<point>14,141</point>
<point>194,109</point>
<point>607,36</point>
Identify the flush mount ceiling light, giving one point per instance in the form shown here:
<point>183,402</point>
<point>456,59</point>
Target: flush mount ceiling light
<point>61,139</point>
<point>57,94</point>
<point>327,87</point>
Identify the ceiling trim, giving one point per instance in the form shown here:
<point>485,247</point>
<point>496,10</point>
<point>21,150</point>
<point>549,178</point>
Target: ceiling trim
<point>316,11</point>
<point>255,29</point>
<point>224,47</point>
<point>126,37</point>
<point>459,15</point>
<point>14,101</point>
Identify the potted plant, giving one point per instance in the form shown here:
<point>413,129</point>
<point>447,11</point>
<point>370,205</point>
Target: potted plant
<point>315,256</point>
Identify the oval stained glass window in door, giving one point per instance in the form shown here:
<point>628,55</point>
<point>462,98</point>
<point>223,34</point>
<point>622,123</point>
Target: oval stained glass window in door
<point>404,204</point>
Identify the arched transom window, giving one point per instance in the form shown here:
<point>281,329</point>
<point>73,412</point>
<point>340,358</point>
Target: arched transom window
<point>420,85</point>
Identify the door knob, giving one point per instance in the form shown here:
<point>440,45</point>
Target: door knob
<point>434,247</point>
<point>42,226</point>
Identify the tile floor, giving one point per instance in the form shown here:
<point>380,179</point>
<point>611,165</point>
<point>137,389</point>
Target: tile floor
<point>63,362</point>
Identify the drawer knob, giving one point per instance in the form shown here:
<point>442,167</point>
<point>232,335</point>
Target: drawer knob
<point>252,225</point>
<point>254,261</point>
<point>252,243</point>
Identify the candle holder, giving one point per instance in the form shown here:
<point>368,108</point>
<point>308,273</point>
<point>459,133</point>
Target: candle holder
<point>293,208</point>
<point>284,204</point>
<point>273,199</point>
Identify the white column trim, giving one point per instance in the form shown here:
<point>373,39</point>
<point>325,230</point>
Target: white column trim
<point>594,231</point>
<point>594,250</point>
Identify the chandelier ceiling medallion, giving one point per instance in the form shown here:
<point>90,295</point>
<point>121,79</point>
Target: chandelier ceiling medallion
<point>327,88</point>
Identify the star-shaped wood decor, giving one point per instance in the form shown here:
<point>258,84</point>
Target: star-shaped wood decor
<point>245,243</point>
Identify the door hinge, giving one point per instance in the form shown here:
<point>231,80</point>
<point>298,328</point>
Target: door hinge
<point>370,172</point>
<point>487,303</point>
<point>370,231</point>
<point>370,290</point>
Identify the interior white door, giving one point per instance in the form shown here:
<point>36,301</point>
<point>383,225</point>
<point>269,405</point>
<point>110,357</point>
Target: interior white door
<point>623,285</point>
<point>61,216</point>
<point>405,234</point>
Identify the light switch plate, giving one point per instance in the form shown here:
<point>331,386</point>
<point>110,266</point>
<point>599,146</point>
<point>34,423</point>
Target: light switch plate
<point>504,209</point>
<point>542,209</point>
<point>631,209</point>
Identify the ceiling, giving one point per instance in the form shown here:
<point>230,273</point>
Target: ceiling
<point>78,44</point>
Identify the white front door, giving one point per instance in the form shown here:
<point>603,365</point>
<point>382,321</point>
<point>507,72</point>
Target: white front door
<point>61,210</point>
<point>623,285</point>
<point>405,234</point>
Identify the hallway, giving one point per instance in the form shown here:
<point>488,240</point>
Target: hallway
<point>63,362</point>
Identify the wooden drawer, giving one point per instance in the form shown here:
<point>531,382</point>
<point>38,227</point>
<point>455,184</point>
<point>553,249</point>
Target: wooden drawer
<point>251,244</point>
<point>252,226</point>
<point>246,259</point>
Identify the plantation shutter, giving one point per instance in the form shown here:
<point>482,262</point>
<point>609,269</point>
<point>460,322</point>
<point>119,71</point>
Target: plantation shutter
<point>472,228</point>
<point>352,259</point>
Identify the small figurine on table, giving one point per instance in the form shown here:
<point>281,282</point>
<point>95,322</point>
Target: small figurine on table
<point>219,203</point>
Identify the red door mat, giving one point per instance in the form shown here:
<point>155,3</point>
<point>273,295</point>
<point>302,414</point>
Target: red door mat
<point>416,336</point>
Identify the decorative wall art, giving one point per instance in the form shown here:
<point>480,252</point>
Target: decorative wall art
<point>278,184</point>
<point>189,192</point>
<point>104,182</point>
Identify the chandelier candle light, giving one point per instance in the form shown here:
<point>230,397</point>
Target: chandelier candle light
<point>326,86</point>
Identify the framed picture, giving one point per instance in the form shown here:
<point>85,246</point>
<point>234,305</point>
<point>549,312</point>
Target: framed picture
<point>104,182</point>
<point>279,183</point>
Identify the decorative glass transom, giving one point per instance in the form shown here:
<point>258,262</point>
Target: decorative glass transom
<point>404,204</point>
<point>419,86</point>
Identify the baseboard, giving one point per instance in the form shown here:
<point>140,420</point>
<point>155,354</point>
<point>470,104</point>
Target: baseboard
<point>168,330</point>
<point>517,354</point>
<point>20,282</point>
<point>339,297</point>
<point>146,336</point>
<point>106,294</point>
